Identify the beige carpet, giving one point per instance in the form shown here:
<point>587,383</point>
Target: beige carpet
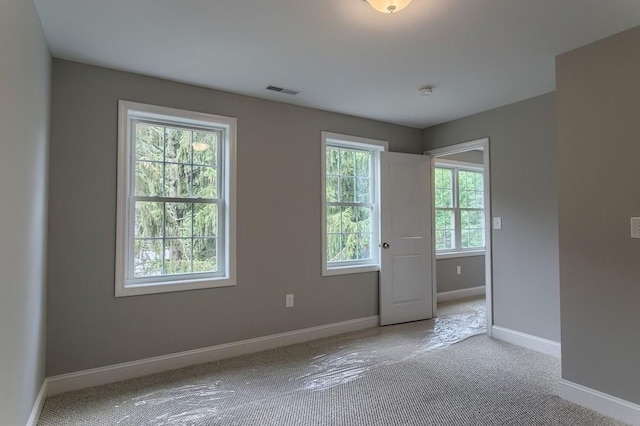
<point>422,373</point>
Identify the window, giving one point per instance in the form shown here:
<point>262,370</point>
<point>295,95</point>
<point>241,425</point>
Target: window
<point>459,207</point>
<point>350,176</point>
<point>176,200</point>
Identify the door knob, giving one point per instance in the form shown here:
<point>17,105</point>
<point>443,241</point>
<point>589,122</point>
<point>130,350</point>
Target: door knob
<point>385,245</point>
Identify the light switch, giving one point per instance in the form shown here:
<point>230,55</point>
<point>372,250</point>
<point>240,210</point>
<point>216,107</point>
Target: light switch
<point>635,227</point>
<point>497,223</point>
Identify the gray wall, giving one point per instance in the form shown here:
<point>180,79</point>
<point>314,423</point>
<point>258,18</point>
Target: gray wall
<point>472,273</point>
<point>278,220</point>
<point>598,110</point>
<point>473,156</point>
<point>524,194</point>
<point>24,122</point>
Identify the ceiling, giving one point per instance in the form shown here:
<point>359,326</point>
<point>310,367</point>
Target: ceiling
<point>341,55</point>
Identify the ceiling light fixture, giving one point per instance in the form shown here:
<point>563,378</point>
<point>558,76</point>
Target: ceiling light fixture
<point>388,6</point>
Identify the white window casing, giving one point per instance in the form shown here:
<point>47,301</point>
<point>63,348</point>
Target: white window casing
<point>365,256</point>
<point>455,167</point>
<point>217,179</point>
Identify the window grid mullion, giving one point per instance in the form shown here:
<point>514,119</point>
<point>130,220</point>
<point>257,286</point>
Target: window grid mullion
<point>193,216</point>
<point>339,204</point>
<point>141,198</point>
<point>164,204</point>
<point>458,221</point>
<point>193,206</point>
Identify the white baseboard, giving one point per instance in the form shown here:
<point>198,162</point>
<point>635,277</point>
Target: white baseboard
<point>528,341</point>
<point>37,405</point>
<point>603,403</point>
<point>143,367</point>
<point>459,294</point>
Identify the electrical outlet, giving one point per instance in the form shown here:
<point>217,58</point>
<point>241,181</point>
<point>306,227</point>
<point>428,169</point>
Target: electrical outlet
<point>289,301</point>
<point>635,227</point>
<point>458,270</point>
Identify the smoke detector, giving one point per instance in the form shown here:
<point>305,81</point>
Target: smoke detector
<point>425,90</point>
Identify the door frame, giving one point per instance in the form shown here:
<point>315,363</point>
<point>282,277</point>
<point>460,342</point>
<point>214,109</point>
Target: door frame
<point>488,252</point>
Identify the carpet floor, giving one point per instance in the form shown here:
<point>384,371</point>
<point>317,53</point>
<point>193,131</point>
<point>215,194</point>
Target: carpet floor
<point>437,372</point>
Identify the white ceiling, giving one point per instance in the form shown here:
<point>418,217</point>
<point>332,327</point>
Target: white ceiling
<point>341,54</point>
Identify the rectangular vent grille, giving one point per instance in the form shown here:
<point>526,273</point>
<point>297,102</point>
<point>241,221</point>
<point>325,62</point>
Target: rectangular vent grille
<point>282,90</point>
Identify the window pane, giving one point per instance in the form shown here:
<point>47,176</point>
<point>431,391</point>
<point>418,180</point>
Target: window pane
<point>347,188</point>
<point>177,256</point>
<point>464,238</point>
<point>177,145</point>
<point>363,192</point>
<point>205,255</point>
<point>334,218</point>
<point>147,258</point>
<point>149,142</point>
<point>363,164</point>
<point>472,233</point>
<point>349,246</point>
<point>477,239</point>
<point>332,188</point>
<point>363,217</point>
<point>148,179</point>
<point>178,218</point>
<point>205,182</point>
<point>176,182</point>
<point>445,219</point>
<point>334,247</point>
<point>364,246</point>
<point>347,162</point>
<point>471,189</point>
<point>445,230</point>
<point>443,188</point>
<point>205,220</point>
<point>445,240</point>
<point>149,220</point>
<point>349,219</point>
<point>205,148</point>
<point>333,161</point>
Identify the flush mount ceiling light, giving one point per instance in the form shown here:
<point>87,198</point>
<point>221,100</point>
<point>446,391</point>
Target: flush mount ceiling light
<point>388,6</point>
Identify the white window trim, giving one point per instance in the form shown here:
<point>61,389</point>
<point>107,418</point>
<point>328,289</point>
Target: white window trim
<point>347,141</point>
<point>460,165</point>
<point>461,253</point>
<point>125,162</point>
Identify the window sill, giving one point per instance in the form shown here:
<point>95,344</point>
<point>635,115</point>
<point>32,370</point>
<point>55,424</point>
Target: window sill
<point>326,272</point>
<point>171,286</point>
<point>454,254</point>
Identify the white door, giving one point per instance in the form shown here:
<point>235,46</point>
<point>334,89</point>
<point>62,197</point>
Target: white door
<point>406,281</point>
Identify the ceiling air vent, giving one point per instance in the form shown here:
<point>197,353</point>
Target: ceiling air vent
<point>282,90</point>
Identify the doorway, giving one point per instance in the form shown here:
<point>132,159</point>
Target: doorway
<point>461,226</point>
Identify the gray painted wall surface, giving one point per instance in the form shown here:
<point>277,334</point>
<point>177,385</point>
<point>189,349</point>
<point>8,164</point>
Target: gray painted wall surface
<point>524,194</point>
<point>472,275</point>
<point>278,221</point>
<point>25,65</point>
<point>597,104</point>
<point>472,156</point>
